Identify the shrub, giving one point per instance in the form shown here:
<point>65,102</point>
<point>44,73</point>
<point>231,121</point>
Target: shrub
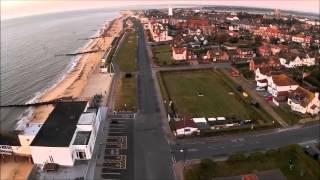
<point>237,158</point>
<point>257,156</point>
<point>207,164</point>
<point>271,153</point>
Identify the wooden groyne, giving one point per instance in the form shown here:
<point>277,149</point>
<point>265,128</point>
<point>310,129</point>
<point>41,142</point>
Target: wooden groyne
<point>79,53</point>
<point>37,103</point>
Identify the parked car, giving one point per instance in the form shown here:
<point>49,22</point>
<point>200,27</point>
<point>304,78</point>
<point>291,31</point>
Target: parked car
<point>260,89</point>
<point>268,98</point>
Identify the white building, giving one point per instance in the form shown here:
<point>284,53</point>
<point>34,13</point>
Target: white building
<point>304,101</point>
<point>302,60</point>
<point>159,32</point>
<point>281,83</point>
<point>68,134</point>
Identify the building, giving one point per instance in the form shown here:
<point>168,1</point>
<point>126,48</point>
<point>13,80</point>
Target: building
<point>302,39</point>
<point>179,53</point>
<point>68,134</point>
<point>264,50</point>
<point>280,86</point>
<point>292,60</point>
<point>303,101</point>
<point>259,62</point>
<point>245,53</point>
<point>159,32</point>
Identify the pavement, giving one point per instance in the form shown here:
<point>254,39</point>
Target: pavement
<point>152,157</point>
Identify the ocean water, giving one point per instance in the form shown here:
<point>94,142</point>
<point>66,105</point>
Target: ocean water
<point>29,45</point>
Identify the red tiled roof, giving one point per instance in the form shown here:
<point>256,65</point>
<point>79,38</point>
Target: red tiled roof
<point>283,80</point>
<point>179,50</point>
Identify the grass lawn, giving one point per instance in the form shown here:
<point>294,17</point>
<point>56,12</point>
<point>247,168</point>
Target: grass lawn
<point>126,57</point>
<point>220,97</point>
<point>304,167</point>
<point>162,54</point>
<point>126,94</point>
<point>287,115</point>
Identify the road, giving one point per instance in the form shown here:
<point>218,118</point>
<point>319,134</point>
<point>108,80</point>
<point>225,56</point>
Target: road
<point>153,159</point>
<point>220,147</point>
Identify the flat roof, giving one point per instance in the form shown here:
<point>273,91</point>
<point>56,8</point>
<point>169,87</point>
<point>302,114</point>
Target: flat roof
<point>59,128</point>
<point>87,118</point>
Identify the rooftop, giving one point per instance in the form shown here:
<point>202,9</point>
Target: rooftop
<point>87,118</point>
<point>58,129</point>
<point>283,80</point>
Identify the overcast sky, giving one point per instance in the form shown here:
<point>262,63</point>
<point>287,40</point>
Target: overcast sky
<point>14,8</point>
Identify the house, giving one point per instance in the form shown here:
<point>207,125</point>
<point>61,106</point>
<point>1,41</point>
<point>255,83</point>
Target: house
<point>258,62</point>
<point>303,101</point>
<point>296,59</point>
<point>213,54</point>
<point>232,18</point>
<point>302,39</point>
<point>185,127</point>
<point>179,53</point>
<point>159,32</point>
<point>244,53</point>
<point>264,50</point>
<point>263,73</point>
<point>68,134</point>
<point>275,49</point>
<point>280,86</point>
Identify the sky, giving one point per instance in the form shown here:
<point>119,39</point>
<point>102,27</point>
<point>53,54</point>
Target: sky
<point>16,8</point>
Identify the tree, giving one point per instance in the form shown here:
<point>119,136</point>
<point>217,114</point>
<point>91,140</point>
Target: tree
<point>258,40</point>
<point>233,40</point>
<point>274,40</point>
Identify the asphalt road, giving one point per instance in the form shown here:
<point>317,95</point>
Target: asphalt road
<point>152,157</point>
<point>221,147</point>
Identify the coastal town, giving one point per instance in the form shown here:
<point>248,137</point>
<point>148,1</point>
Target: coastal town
<point>180,93</point>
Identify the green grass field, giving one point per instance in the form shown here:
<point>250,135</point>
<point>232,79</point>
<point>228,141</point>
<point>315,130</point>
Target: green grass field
<point>220,97</point>
<point>162,55</point>
<point>126,57</point>
<point>126,94</point>
<point>304,167</point>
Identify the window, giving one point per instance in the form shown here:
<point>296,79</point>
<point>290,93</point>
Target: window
<point>187,130</point>
<point>51,158</point>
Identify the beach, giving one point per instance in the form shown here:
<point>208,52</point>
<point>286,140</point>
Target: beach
<point>74,83</point>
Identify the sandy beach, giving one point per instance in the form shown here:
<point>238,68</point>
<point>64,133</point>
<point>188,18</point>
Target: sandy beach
<point>75,81</point>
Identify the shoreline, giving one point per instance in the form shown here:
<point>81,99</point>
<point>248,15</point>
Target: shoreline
<point>74,81</point>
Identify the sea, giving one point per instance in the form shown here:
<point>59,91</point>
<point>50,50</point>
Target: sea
<point>30,48</point>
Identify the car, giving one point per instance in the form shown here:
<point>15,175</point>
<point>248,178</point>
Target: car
<point>260,89</point>
<point>114,122</point>
<point>268,98</point>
